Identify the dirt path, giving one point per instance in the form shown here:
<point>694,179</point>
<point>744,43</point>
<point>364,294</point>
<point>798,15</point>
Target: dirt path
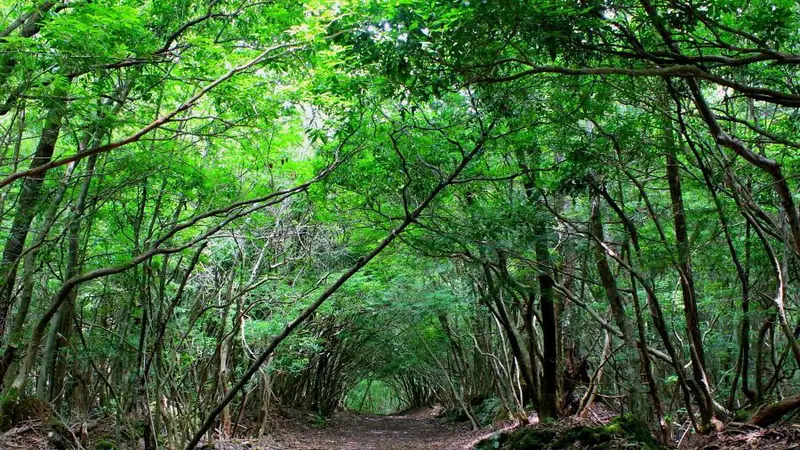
<point>415,431</point>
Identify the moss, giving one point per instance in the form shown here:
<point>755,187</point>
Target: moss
<point>105,444</point>
<point>320,421</point>
<point>534,438</point>
<point>637,429</point>
<point>495,441</point>
<point>488,410</point>
<point>57,426</point>
<point>591,437</point>
<point>456,415</point>
<point>14,410</point>
<point>622,431</point>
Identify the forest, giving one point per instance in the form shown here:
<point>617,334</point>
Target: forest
<point>399,224</point>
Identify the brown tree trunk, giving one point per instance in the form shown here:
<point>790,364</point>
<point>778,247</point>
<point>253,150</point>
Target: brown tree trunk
<point>15,335</point>
<point>549,405</point>
<point>637,404</point>
<point>633,235</point>
<point>548,402</point>
<point>695,337</point>
<point>501,313</point>
<point>770,414</point>
<point>26,206</point>
<point>656,311</point>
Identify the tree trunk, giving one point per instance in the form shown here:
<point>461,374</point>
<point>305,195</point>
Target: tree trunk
<point>770,414</point>
<point>501,313</point>
<point>637,403</point>
<point>549,405</point>
<point>656,311</point>
<point>695,337</point>
<point>26,206</point>
<point>15,335</point>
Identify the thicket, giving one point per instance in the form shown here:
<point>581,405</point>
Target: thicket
<point>209,208</point>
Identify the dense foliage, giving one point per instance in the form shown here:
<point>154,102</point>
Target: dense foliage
<point>213,208</point>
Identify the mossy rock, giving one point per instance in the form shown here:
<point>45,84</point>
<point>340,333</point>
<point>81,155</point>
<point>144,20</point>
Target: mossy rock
<point>488,410</point>
<point>106,444</point>
<point>531,438</point>
<point>456,415</point>
<point>636,429</point>
<point>622,432</point>
<point>495,441</point>
<point>19,409</point>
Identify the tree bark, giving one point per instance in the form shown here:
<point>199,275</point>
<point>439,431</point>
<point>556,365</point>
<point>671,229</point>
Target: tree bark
<point>26,206</point>
<point>548,405</point>
<point>695,337</point>
<point>637,403</point>
<point>772,413</point>
<point>743,361</point>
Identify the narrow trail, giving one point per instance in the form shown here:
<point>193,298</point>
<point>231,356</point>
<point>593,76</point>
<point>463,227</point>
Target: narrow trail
<point>416,430</point>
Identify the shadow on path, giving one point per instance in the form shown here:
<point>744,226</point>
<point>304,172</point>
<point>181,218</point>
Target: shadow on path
<point>345,431</point>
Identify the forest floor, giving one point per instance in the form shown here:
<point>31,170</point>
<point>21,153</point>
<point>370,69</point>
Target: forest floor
<point>414,430</point>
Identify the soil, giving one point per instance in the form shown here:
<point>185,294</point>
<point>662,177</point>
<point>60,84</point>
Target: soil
<point>413,430</point>
<point>28,435</point>
<point>743,436</point>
